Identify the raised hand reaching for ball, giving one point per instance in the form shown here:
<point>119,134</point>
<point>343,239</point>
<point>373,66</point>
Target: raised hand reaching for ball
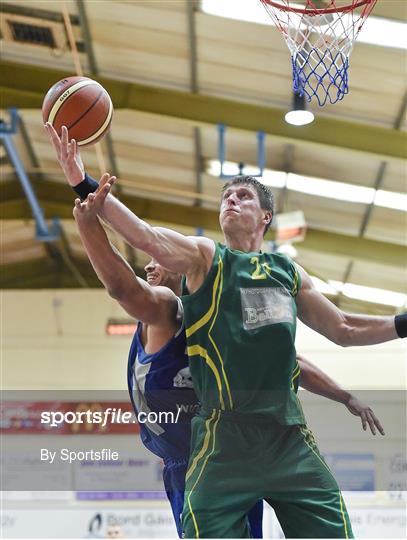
<point>92,205</point>
<point>68,155</point>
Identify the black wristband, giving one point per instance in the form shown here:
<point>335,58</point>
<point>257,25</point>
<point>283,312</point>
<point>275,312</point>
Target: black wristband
<point>88,185</point>
<point>400,322</point>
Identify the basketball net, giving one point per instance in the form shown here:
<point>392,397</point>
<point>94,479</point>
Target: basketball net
<point>320,40</point>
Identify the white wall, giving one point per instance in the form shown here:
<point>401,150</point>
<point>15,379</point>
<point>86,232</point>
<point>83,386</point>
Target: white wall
<point>55,339</point>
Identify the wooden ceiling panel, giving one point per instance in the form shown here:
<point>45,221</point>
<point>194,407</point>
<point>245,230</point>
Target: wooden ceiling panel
<point>156,170</point>
<point>41,56</point>
<point>129,36</point>
<point>391,9</point>
<point>182,198</point>
<point>378,276</point>
<point>138,14</point>
<point>376,59</point>
<point>325,267</point>
<point>395,178</point>
<point>148,154</point>
<point>142,66</point>
<point>328,214</point>
<point>23,251</point>
<point>239,33</point>
<point>126,137</point>
<point>15,231</point>
<point>160,186</point>
<point>250,59</point>
<point>366,106</point>
<point>45,5</point>
<point>139,120</point>
<point>252,86</point>
<point>162,5</point>
<point>388,225</point>
<point>324,162</point>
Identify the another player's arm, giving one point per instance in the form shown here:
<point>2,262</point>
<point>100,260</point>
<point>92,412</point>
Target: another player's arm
<point>191,256</point>
<point>316,381</point>
<point>151,305</point>
<point>344,329</point>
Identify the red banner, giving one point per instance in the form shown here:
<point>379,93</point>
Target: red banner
<point>67,417</point>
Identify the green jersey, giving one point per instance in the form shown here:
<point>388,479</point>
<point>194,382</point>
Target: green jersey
<point>240,328</point>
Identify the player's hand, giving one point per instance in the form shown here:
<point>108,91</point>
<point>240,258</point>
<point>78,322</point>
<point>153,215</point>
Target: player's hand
<point>90,208</point>
<point>366,414</point>
<point>67,155</point>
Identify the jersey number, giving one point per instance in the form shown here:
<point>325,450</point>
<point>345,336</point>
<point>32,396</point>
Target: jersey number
<point>257,272</point>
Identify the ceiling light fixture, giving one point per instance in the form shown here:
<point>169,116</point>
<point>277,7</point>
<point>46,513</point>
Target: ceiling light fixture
<point>299,116</point>
<point>320,187</point>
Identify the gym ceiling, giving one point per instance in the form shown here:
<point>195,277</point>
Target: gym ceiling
<point>174,73</point>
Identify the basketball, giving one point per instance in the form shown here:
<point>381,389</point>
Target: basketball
<point>82,105</point>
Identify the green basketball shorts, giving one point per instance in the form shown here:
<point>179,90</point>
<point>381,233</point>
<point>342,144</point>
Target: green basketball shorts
<point>236,462</point>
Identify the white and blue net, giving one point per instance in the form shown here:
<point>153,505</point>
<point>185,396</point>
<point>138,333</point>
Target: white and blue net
<point>320,42</point>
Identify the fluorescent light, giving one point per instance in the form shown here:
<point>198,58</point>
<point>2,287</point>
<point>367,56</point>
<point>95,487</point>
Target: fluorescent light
<point>379,31</point>
<point>299,118</point>
<point>330,189</point>
<point>271,178</point>
<point>277,179</point>
<point>229,167</point>
<point>323,287</point>
<point>375,31</point>
<point>390,199</point>
<point>337,285</point>
<point>320,187</point>
<point>370,294</point>
<point>359,292</point>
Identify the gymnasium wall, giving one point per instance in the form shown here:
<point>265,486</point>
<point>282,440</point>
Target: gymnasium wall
<point>56,340</point>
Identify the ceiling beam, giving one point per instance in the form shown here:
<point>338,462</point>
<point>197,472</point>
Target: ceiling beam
<point>354,247</point>
<point>24,86</point>
<point>57,200</point>
<point>45,273</point>
<point>40,272</point>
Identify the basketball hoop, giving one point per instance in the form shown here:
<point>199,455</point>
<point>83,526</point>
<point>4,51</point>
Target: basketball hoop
<point>320,40</point>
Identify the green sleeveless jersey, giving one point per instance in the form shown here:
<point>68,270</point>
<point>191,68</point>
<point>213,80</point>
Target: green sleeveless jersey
<point>240,327</point>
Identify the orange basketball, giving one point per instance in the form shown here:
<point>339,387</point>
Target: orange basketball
<point>80,104</point>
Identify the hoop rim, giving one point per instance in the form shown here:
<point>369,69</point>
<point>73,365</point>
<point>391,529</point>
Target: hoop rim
<point>317,11</point>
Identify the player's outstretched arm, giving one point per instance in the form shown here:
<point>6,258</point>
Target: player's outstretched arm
<point>152,305</point>
<point>344,329</point>
<point>316,381</point>
<point>178,253</point>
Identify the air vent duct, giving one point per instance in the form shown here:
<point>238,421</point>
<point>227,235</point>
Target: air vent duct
<point>28,33</point>
<point>33,31</point>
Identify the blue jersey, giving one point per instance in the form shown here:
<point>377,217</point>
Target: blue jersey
<point>162,382</point>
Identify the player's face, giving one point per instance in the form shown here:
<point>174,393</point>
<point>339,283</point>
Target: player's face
<point>156,274</point>
<point>240,209</point>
